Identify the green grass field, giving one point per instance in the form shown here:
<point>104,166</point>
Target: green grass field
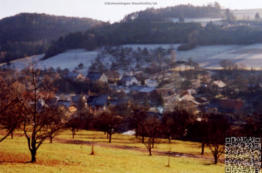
<point>124,155</point>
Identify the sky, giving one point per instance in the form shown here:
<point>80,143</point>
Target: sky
<point>104,9</point>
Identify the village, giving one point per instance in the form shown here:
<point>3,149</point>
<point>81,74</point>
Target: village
<point>130,77</point>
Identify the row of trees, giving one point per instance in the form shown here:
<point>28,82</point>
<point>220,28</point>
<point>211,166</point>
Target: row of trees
<point>180,11</point>
<point>28,103</point>
<point>180,124</point>
<point>210,129</point>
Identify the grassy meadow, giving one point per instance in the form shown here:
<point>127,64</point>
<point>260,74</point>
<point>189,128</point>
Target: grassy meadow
<point>124,155</point>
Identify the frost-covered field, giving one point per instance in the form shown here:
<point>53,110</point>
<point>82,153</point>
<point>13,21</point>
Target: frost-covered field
<point>69,59</point>
<point>249,56</point>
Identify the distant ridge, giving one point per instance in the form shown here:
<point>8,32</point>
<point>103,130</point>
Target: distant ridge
<point>27,34</point>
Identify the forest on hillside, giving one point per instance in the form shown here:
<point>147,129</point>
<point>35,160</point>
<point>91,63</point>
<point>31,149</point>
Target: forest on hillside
<point>31,33</point>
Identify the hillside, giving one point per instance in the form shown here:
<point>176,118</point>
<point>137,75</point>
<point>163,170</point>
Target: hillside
<point>188,25</point>
<point>31,33</point>
<point>135,32</point>
<point>207,56</point>
<point>180,11</point>
<point>150,26</point>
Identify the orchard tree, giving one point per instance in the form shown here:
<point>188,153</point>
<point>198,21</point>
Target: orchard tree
<point>80,118</point>
<point>42,117</point>
<point>10,105</point>
<point>74,125</point>
<point>152,127</point>
<point>217,129</point>
<point>108,122</point>
<point>137,120</point>
<point>176,122</point>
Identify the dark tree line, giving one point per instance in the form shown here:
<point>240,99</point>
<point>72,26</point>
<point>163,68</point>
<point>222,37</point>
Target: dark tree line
<point>125,33</point>
<point>180,11</point>
<point>150,32</point>
<point>28,34</point>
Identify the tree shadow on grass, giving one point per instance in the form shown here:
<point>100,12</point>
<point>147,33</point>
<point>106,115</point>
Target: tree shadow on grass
<point>12,158</point>
<point>13,162</point>
<point>208,164</point>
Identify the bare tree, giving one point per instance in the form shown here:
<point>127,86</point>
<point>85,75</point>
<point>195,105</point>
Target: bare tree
<point>80,118</point>
<point>9,108</point>
<point>152,128</point>
<point>41,115</point>
<point>203,135</point>
<point>108,122</point>
<point>139,115</point>
<point>74,125</point>
<point>218,128</point>
<point>175,123</point>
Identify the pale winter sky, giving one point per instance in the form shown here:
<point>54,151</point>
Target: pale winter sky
<point>99,9</point>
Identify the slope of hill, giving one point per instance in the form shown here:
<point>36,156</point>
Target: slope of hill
<point>154,26</point>
<point>31,33</point>
<point>180,11</point>
<point>150,26</point>
<point>248,56</point>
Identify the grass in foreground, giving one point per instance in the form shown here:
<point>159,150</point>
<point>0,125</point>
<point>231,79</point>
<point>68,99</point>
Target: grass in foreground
<point>124,155</point>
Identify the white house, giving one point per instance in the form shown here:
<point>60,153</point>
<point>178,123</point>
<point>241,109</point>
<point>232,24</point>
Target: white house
<point>151,83</point>
<point>129,81</point>
<point>219,83</point>
<point>96,76</point>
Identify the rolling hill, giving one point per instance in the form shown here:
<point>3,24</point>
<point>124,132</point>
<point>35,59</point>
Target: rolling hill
<point>31,33</point>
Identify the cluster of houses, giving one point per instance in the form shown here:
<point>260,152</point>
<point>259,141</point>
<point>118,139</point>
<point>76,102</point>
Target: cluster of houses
<point>128,87</point>
<point>122,86</point>
<point>137,86</point>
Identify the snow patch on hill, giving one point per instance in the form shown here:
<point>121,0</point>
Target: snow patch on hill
<point>69,59</point>
<point>249,56</point>
<point>210,56</point>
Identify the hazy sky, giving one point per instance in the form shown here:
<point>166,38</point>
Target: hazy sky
<point>97,9</point>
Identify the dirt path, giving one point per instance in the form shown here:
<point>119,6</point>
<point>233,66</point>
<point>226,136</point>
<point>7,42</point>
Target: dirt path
<point>133,148</point>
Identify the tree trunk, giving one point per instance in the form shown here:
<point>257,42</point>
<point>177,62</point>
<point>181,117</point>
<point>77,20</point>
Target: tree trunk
<point>202,148</point>
<point>73,133</point>
<point>51,139</point>
<point>110,136</point>
<point>169,139</point>
<point>143,138</point>
<point>153,142</point>
<point>150,151</point>
<point>3,138</point>
<point>136,132</point>
<point>33,155</point>
<point>12,135</point>
<point>215,159</point>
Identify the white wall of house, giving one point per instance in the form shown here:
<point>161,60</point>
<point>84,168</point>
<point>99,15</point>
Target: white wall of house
<point>103,78</point>
<point>132,81</point>
<point>151,83</point>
